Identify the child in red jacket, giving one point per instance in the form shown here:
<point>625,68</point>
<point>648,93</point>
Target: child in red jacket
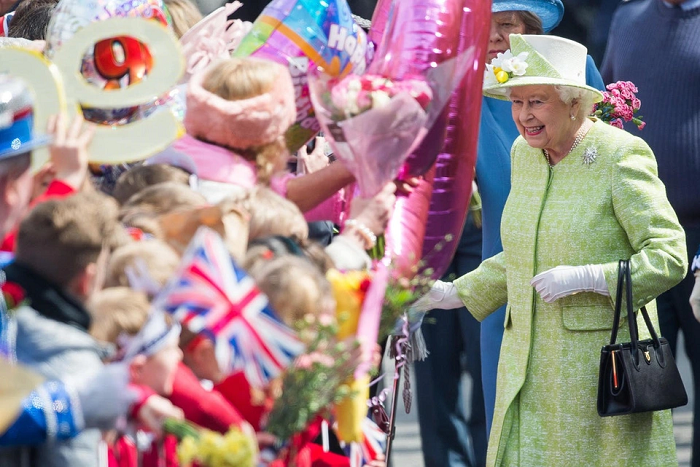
<point>148,342</point>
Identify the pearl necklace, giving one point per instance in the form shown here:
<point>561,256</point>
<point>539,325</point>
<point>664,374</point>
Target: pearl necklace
<point>580,134</point>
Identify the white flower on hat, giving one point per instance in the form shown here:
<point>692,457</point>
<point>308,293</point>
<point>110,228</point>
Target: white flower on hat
<point>489,76</point>
<point>504,67</point>
<point>500,58</point>
<point>515,65</point>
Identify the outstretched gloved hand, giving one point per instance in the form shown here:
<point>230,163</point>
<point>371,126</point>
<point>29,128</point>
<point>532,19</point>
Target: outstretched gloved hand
<point>442,296</point>
<point>563,281</point>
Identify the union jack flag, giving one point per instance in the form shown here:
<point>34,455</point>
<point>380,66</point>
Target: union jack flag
<point>370,449</point>
<point>212,295</point>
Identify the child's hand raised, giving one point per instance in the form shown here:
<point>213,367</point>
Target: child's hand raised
<point>69,150</point>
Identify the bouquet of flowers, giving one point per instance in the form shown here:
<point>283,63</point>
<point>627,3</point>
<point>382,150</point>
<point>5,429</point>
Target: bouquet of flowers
<point>371,122</point>
<point>358,298</point>
<point>316,379</point>
<point>354,95</point>
<point>209,449</point>
<point>619,105</point>
<point>374,121</point>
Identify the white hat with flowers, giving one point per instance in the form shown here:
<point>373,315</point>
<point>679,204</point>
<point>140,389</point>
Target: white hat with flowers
<point>536,60</point>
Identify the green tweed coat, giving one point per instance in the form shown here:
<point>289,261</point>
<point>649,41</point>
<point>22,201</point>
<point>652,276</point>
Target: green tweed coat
<point>575,214</point>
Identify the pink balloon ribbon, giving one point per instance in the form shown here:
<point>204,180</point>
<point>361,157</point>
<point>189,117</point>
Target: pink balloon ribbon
<point>368,325</point>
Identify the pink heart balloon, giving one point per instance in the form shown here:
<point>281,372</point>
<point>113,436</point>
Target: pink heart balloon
<point>416,226</point>
<point>404,235</point>
<point>379,19</point>
<point>452,187</point>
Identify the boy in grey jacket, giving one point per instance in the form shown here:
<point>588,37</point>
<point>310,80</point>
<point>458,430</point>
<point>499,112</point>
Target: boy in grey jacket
<point>60,259</point>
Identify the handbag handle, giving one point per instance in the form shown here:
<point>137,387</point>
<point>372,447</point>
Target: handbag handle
<point>618,300</point>
<point>624,277</point>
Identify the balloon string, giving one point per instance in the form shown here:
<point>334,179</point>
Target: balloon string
<point>400,346</point>
<point>400,357</point>
<point>377,379</point>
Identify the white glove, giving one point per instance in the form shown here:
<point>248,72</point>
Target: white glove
<point>442,296</point>
<point>103,395</point>
<point>695,297</point>
<point>563,281</point>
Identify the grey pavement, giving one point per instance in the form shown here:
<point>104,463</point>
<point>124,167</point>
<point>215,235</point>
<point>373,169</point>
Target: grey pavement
<point>407,446</point>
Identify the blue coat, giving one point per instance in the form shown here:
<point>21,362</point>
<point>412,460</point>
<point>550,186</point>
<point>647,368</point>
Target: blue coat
<point>496,136</point>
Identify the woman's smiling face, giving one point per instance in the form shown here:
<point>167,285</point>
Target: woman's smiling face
<point>542,118</point>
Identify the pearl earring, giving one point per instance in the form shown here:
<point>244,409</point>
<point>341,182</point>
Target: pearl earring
<point>573,117</point>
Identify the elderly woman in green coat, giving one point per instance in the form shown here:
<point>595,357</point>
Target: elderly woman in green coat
<point>584,195</point>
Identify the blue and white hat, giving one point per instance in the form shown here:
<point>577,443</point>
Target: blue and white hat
<point>153,336</point>
<point>17,119</point>
<point>549,11</point>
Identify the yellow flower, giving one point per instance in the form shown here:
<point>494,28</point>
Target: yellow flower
<point>352,410</point>
<point>502,76</point>
<point>187,450</point>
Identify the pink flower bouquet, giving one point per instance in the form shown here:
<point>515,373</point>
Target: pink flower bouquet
<point>619,105</point>
<point>355,95</point>
<point>374,122</point>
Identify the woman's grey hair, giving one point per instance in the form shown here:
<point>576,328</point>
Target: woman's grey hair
<point>532,22</point>
<point>584,97</point>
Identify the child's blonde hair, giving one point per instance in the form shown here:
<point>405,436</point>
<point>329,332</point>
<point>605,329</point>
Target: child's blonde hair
<point>294,287</point>
<point>266,248</point>
<point>271,214</point>
<point>226,218</point>
<point>184,15</point>
<point>141,177</point>
<point>115,311</point>
<point>158,260</point>
<point>244,78</point>
<point>163,198</point>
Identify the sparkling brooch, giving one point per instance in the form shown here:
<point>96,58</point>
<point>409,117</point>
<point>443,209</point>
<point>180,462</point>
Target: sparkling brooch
<point>590,155</point>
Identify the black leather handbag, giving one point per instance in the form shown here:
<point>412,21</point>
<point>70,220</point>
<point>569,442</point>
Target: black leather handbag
<point>637,376</point>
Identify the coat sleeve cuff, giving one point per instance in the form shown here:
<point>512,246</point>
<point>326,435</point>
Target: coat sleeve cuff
<point>476,307</point>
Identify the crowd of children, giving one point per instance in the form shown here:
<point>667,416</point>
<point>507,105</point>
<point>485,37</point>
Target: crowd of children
<point>83,261</point>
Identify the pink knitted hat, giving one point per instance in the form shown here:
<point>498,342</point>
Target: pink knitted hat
<point>243,123</point>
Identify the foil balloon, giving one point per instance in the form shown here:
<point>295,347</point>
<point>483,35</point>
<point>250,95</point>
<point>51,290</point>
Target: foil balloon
<point>113,63</point>
<point>406,230</point>
<point>379,19</point>
<point>454,173</point>
<point>417,225</point>
<point>213,38</point>
<point>304,33</point>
